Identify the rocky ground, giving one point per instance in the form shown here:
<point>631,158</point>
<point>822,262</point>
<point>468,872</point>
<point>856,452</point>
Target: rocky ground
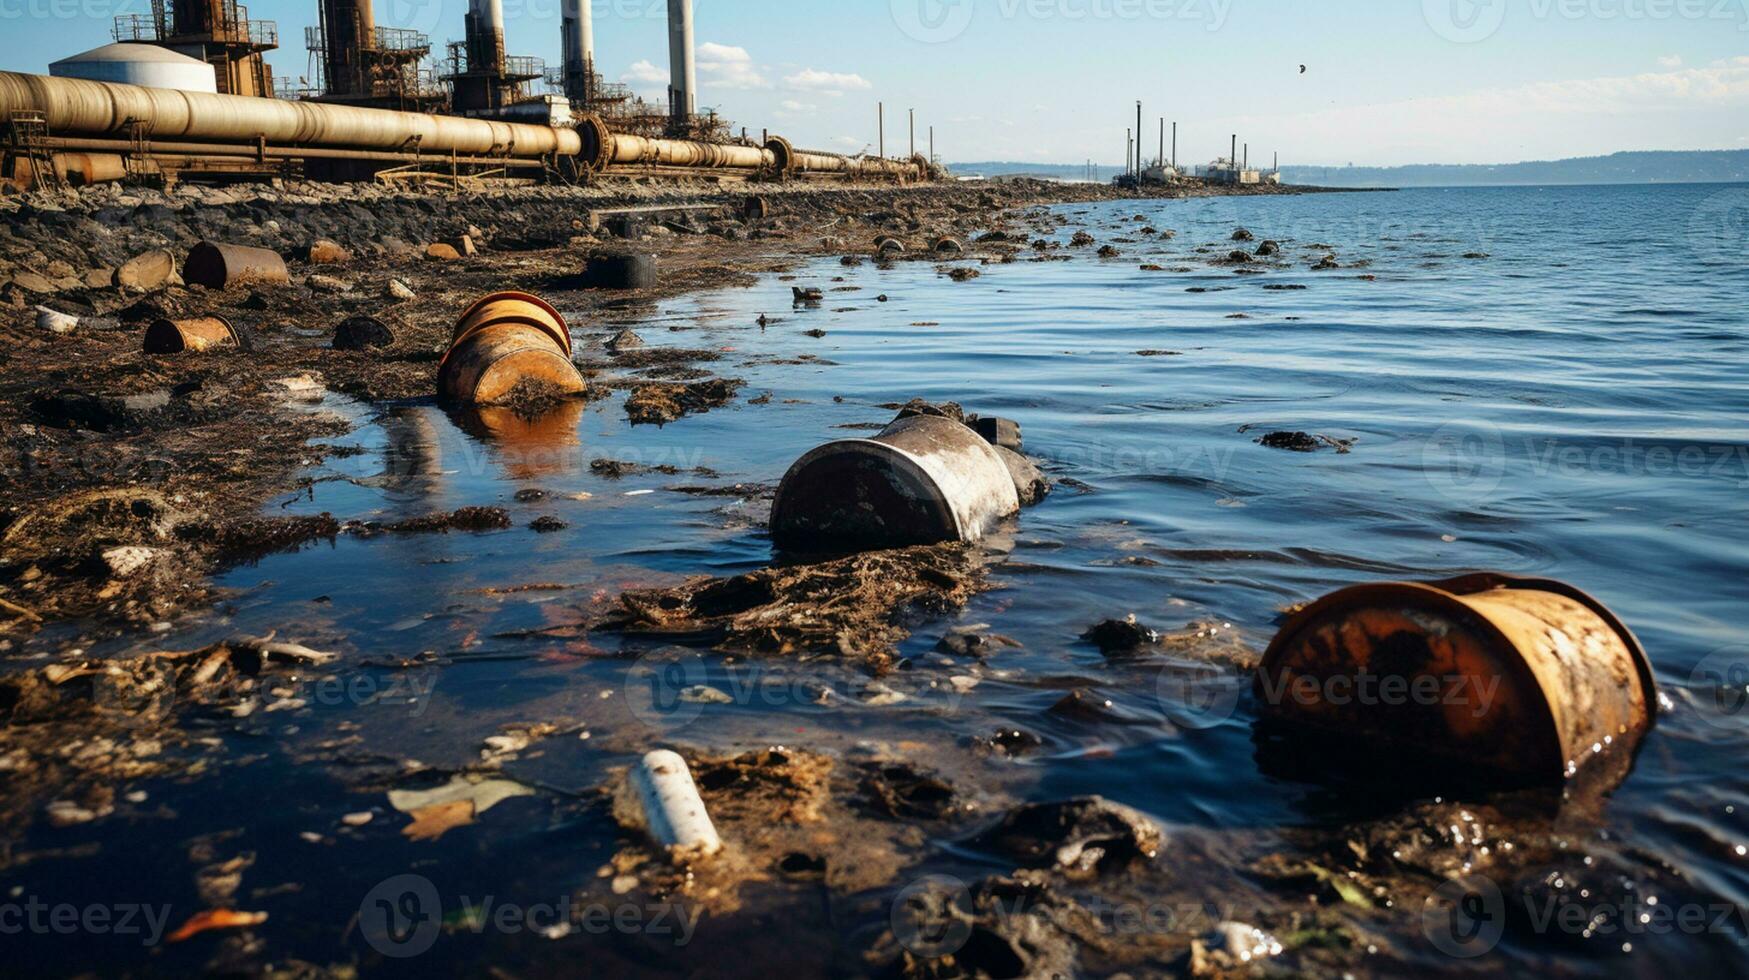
<point>128,479</point>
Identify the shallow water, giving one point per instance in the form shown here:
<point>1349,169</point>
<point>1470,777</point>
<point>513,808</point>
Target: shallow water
<point>1570,406</point>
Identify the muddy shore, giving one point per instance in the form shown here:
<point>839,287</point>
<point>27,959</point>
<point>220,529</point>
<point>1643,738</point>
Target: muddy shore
<point>131,479</point>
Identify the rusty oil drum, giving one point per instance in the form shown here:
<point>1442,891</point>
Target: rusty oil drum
<point>921,480</point>
<point>193,335</point>
<point>222,266</point>
<point>1525,676</point>
<point>505,339</point>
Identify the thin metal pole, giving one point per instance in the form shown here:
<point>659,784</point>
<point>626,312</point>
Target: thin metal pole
<point>1174,145</point>
<point>881,127</point>
<point>1138,138</point>
<point>932,144</point>
<point>913,113</point>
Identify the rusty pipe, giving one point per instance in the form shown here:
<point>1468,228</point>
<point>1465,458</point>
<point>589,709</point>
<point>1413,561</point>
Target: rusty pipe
<point>87,108</point>
<point>180,150</point>
<point>223,266</point>
<point>505,340</point>
<point>194,335</point>
<point>1526,676</point>
<point>601,148</point>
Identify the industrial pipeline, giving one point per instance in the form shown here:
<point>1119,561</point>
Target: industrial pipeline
<point>91,130</point>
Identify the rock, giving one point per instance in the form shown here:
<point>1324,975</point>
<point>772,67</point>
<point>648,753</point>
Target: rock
<point>806,296</point>
<point>99,413</point>
<point>1079,239</point>
<point>125,561</point>
<point>31,282</point>
<point>1108,252</point>
<point>1269,248</point>
<point>328,284</point>
<point>99,278</point>
<point>361,333</point>
<point>148,270</point>
<point>1121,636</point>
<point>1242,235</point>
<point>964,643</point>
<point>439,252</point>
<point>1326,263</point>
<point>626,339</point>
<point>917,406</point>
<point>547,525</point>
<point>1297,442</point>
<point>1081,837</point>
<point>1243,943</point>
<point>464,244</point>
<point>325,252</point>
<point>398,290</point>
<point>66,813</point>
<point>962,274</point>
<point>55,321</point>
<point>1030,485</point>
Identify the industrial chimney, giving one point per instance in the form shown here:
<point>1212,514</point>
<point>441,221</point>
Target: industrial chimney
<point>485,22</point>
<point>683,85</point>
<point>348,28</point>
<point>578,44</point>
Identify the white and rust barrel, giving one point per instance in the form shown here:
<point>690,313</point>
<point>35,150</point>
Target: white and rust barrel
<point>922,480</point>
<point>505,340</point>
<point>1527,676</point>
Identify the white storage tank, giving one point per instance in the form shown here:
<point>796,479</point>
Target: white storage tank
<point>139,64</point>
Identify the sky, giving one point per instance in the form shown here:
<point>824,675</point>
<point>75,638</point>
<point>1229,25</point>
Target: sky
<point>1385,82</point>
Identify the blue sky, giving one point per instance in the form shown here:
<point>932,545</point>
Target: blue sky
<point>1386,81</point>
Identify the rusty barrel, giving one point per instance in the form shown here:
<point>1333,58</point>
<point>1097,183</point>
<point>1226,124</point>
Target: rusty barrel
<point>887,243</point>
<point>197,334</point>
<point>921,480</point>
<point>503,340</point>
<point>223,266</point>
<point>1526,676</point>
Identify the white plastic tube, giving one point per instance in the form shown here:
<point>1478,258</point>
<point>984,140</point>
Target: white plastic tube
<point>673,812</point>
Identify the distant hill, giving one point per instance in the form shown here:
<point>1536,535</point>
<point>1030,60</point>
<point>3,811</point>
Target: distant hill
<point>1627,167</point>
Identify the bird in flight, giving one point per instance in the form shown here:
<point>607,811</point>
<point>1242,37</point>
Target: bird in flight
<point>1302,69</point>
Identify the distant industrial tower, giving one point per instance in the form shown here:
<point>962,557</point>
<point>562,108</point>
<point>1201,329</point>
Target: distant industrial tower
<point>218,32</point>
<point>359,63</point>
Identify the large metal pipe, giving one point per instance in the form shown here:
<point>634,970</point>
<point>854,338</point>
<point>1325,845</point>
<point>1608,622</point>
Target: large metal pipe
<point>79,107</point>
<point>577,42</point>
<point>683,83</point>
<point>253,151</point>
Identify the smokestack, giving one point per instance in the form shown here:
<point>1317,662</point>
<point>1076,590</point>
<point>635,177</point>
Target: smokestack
<point>577,40</point>
<point>348,27</point>
<point>487,19</point>
<point>683,86</point>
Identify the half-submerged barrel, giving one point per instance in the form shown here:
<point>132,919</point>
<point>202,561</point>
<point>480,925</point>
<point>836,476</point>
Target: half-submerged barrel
<point>503,341</point>
<point>922,480</point>
<point>1524,676</point>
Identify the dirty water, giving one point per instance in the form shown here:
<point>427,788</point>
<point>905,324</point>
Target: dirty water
<point>1565,402</point>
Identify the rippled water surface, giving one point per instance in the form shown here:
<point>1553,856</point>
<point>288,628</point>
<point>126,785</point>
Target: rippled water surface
<point>1572,404</point>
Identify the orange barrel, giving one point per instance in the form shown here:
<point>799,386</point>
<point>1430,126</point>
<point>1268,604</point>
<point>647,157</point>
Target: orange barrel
<point>921,480</point>
<point>196,335</point>
<point>503,340</point>
<point>1526,676</point>
<point>223,266</point>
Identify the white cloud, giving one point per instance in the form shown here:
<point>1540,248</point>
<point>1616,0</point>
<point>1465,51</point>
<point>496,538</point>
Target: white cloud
<point>1671,61</point>
<point>828,82</point>
<point>791,105</point>
<point>850,142</point>
<point>725,66</point>
<point>643,73</point>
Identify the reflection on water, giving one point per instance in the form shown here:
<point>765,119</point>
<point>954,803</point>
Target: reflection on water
<point>1571,405</point>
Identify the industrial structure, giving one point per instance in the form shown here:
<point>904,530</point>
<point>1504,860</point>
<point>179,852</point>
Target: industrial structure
<point>185,94</point>
<point>217,32</point>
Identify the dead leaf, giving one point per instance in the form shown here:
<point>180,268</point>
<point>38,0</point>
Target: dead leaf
<point>432,822</point>
<point>216,919</point>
